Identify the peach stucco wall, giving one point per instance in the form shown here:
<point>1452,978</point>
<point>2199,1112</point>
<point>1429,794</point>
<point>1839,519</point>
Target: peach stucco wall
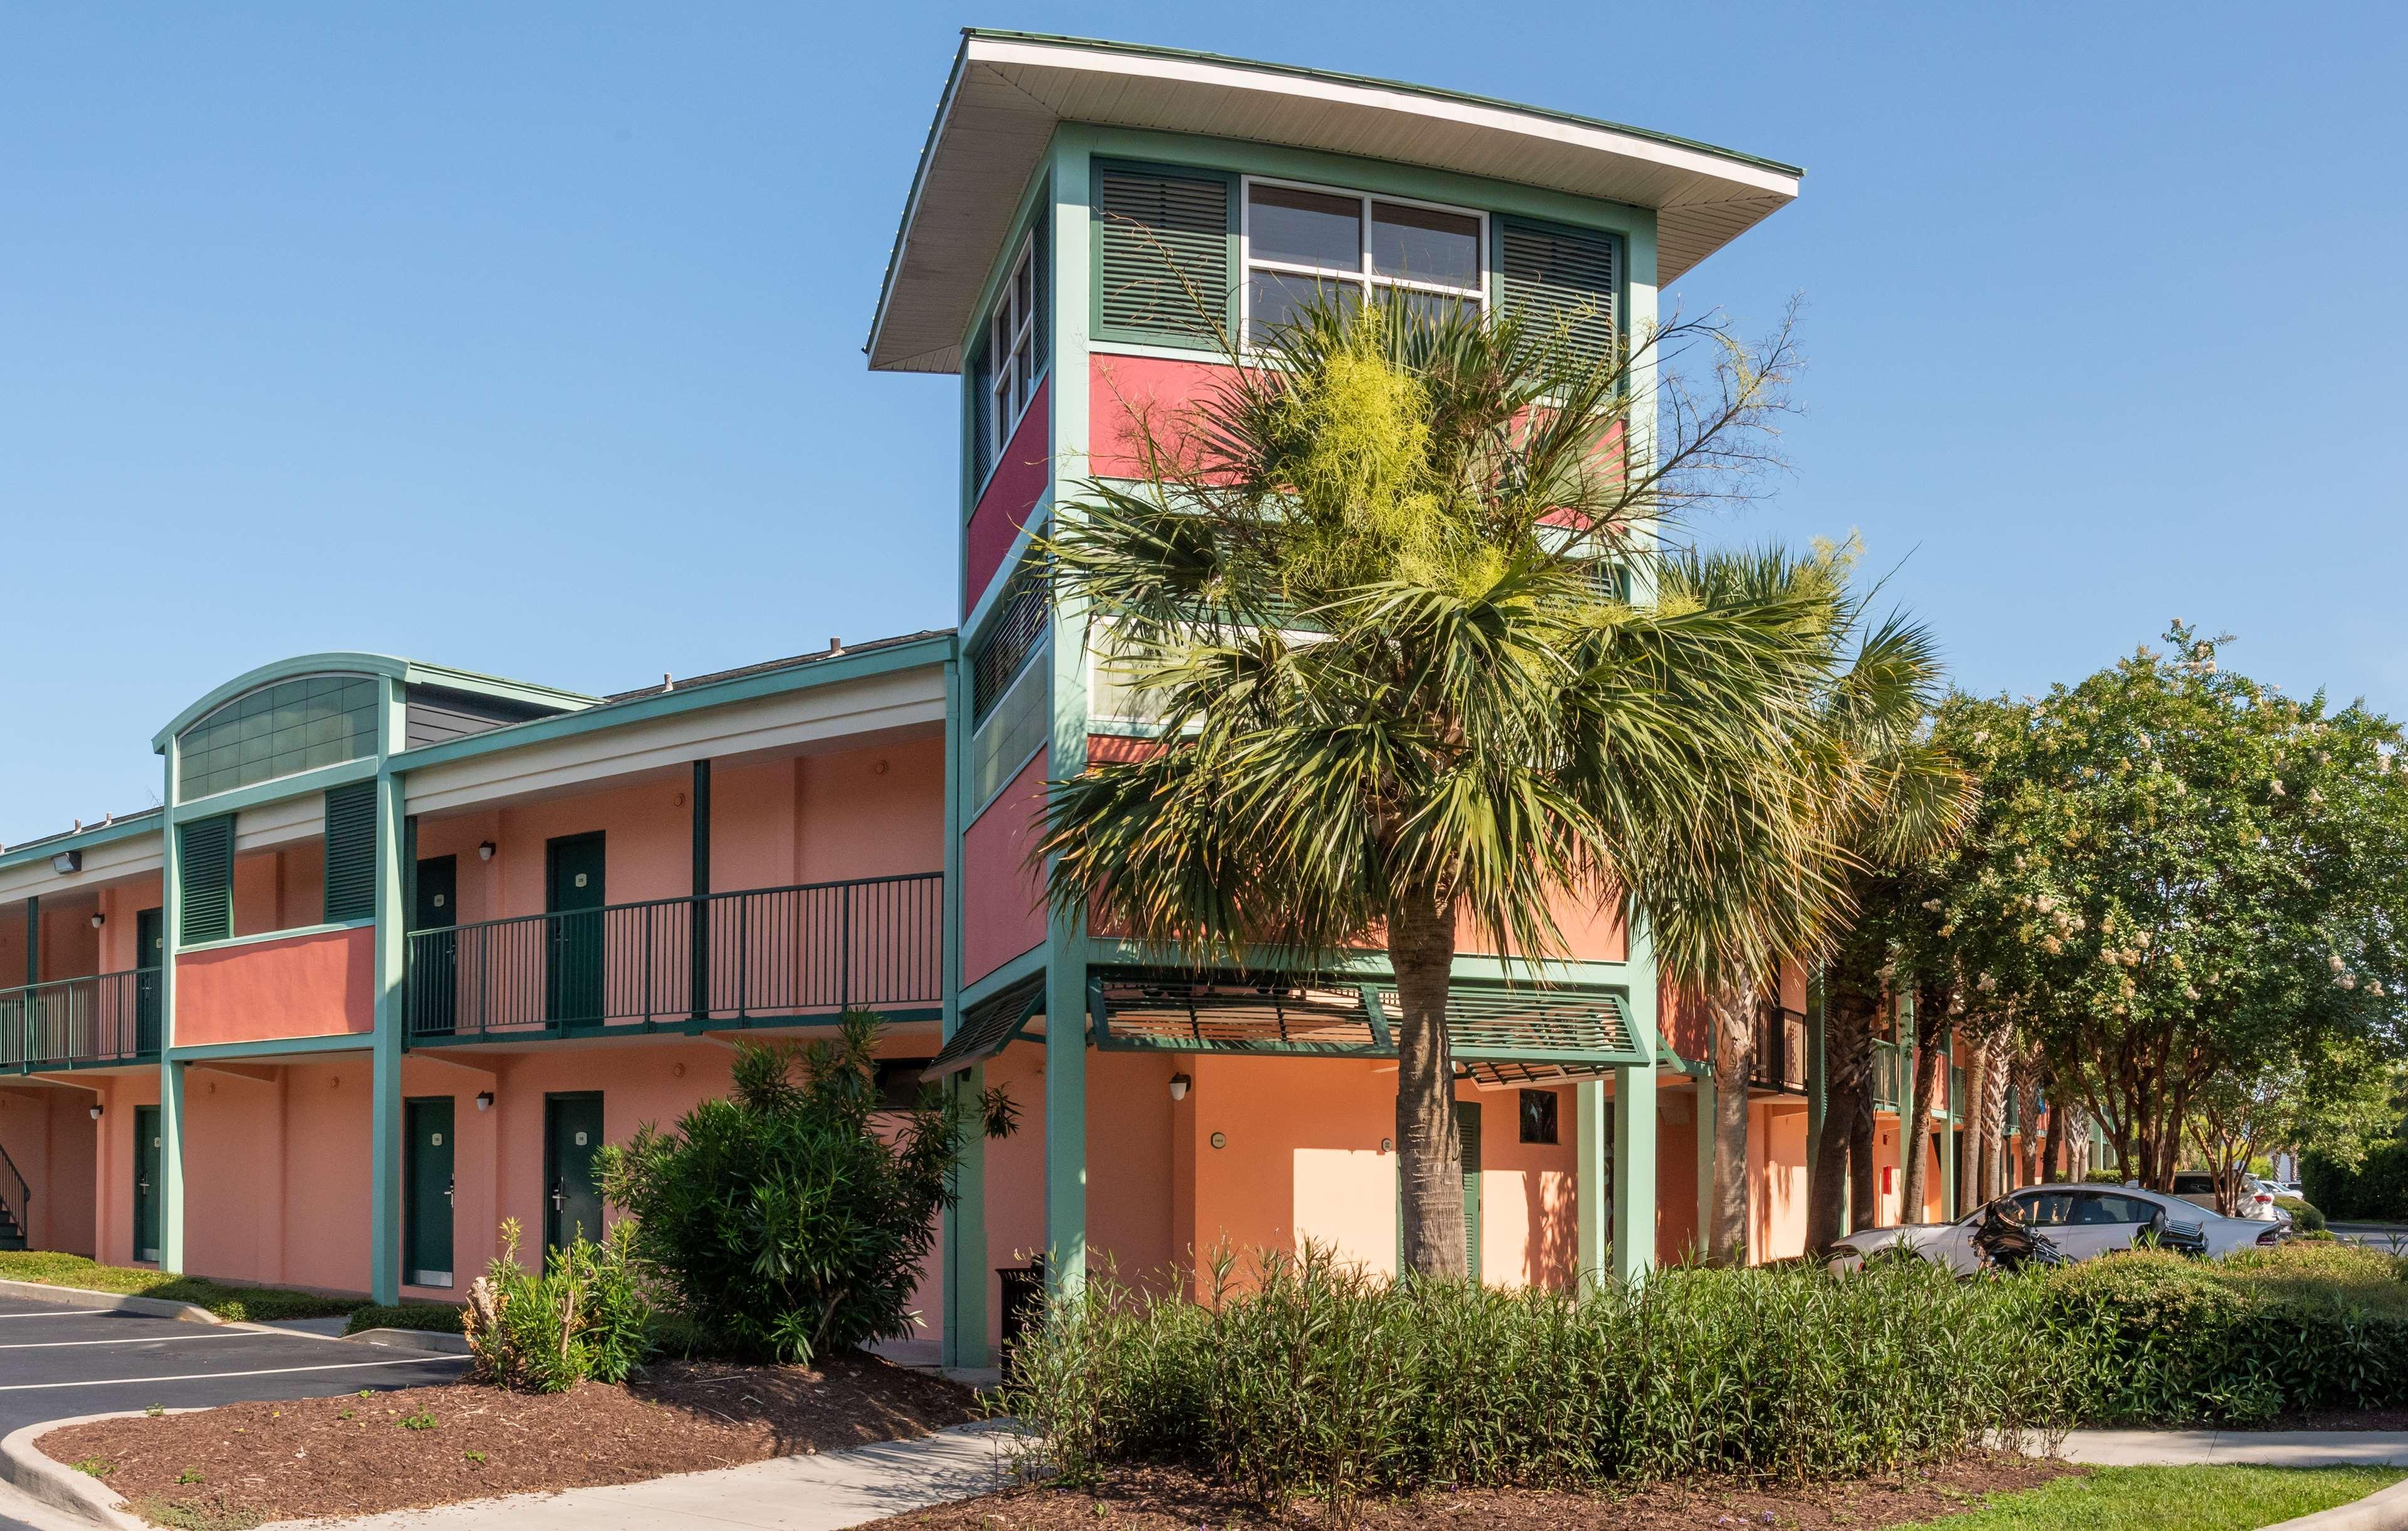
<point>1776,1155</point>
<point>1003,897</point>
<point>50,1137</point>
<point>314,986</point>
<point>279,889</point>
<point>1022,472</point>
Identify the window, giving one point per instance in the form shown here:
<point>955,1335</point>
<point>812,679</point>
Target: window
<point>1013,359</point>
<point>898,1083</point>
<point>2194,1185</point>
<point>1020,621</point>
<point>1539,1117</point>
<point>2103,1209</point>
<point>2046,1209</point>
<point>1306,244</point>
<point>293,725</point>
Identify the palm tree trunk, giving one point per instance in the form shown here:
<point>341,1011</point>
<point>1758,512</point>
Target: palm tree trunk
<point>1733,1013</point>
<point>2051,1149</point>
<point>1429,1146</point>
<point>1848,1011</point>
<point>1914,1126</point>
<point>1994,1117</point>
<point>1864,1190</point>
<point>1969,1118</point>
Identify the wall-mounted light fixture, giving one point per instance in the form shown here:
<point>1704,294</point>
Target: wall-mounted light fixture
<point>485,850</point>
<point>1179,1083</point>
<point>1220,1139</point>
<point>98,918</point>
<point>484,1100</point>
<point>67,860</point>
<point>96,1113</point>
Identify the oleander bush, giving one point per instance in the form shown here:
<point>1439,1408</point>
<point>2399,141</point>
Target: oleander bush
<point>1313,1378</point>
<point>2298,1327</point>
<point>585,1313</point>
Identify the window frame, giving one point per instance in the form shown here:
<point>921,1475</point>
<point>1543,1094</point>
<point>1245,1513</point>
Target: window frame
<point>1011,342</point>
<point>1363,276</point>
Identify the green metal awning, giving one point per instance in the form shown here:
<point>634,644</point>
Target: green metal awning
<point>1498,1033</point>
<point>993,1025</point>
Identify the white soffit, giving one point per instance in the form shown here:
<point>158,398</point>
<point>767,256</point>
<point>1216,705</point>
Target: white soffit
<point>1008,91</point>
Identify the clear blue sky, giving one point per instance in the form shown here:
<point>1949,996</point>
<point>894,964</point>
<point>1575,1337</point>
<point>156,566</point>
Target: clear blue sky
<point>527,338</point>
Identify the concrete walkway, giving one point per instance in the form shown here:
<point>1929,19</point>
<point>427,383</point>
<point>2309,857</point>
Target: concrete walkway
<point>2237,1448</point>
<point>822,1493</point>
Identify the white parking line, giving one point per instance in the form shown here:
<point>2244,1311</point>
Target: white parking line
<point>75,1313</point>
<point>211,1376</point>
<point>139,1339</point>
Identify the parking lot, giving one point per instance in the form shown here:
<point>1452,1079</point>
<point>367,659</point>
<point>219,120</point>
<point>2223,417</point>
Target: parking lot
<point>58,1361</point>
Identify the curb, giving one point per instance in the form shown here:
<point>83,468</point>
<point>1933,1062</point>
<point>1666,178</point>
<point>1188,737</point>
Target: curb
<point>2385,1509</point>
<point>78,1296</point>
<point>62,1487</point>
<point>439,1340</point>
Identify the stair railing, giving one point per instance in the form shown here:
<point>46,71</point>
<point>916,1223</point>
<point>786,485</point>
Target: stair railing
<point>22,1204</point>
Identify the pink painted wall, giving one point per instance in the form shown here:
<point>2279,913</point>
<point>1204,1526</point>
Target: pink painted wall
<point>279,889</point>
<point>1676,1170</point>
<point>113,1157</point>
<point>1003,897</point>
<point>1123,391</point>
<point>49,1133</point>
<point>1015,1172</point>
<point>1021,475</point>
<point>312,985</point>
<point>121,904</point>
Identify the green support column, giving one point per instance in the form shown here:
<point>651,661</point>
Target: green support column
<point>1589,1178</point>
<point>966,1272</point>
<point>1634,1119</point>
<point>171,1074</point>
<point>1948,1131</point>
<point>384,1082</point>
<point>1707,1105</point>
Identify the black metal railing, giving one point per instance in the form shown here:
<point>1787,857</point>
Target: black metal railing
<point>107,1018</point>
<point>1779,1061</point>
<point>16,1198</point>
<point>760,954</point>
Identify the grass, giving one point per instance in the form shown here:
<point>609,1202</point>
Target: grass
<point>240,1303</point>
<point>2173,1499</point>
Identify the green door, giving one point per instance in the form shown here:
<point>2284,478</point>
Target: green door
<point>147,1183</point>
<point>150,953</point>
<point>573,897</point>
<point>427,1192</point>
<point>434,959</point>
<point>572,1204</point>
<point>1466,1123</point>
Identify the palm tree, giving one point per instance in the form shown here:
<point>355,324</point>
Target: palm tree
<point>1377,585</point>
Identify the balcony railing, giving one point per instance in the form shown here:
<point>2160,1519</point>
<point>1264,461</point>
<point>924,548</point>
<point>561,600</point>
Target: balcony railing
<point>1780,1058</point>
<point>762,955</point>
<point>67,1022</point>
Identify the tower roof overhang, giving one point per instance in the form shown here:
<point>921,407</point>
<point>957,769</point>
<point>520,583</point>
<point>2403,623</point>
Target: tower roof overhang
<point>1008,91</point>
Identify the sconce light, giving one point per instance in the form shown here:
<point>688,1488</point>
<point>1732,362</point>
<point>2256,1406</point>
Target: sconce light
<point>1387,1145</point>
<point>96,1113</point>
<point>1220,1139</point>
<point>1179,1083</point>
<point>484,1100</point>
<point>98,918</point>
<point>485,850</point>
<point>67,860</point>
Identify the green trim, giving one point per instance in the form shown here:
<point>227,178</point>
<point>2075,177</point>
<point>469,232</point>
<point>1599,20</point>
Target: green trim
<point>299,784</point>
<point>145,822</point>
<point>1589,1182</point>
<point>558,1031</point>
<point>919,654</point>
<point>1003,978</point>
<point>348,1041</point>
<point>393,836</point>
<point>1433,92</point>
<point>262,937</point>
<point>171,1166</point>
<point>1111,951</point>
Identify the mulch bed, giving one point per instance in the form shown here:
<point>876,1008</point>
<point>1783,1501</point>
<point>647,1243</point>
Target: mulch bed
<point>2341,1419</point>
<point>1164,1499</point>
<point>220,1469</point>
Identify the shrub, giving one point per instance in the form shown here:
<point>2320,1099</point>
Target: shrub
<point>585,1315</point>
<point>1318,1379</point>
<point>2377,1190</point>
<point>2304,1217</point>
<point>2164,1339</point>
<point>786,1222</point>
<point>434,1317</point>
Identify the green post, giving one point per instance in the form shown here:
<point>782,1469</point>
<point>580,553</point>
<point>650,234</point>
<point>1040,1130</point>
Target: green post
<point>384,1074</point>
<point>1589,1178</point>
<point>171,1073</point>
<point>1634,1119</point>
<point>171,1166</point>
<point>966,1274</point>
<point>1707,1106</point>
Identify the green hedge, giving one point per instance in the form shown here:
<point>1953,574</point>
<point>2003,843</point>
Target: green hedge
<point>2375,1192</point>
<point>1322,1380</point>
<point>436,1317</point>
<point>2305,1217</point>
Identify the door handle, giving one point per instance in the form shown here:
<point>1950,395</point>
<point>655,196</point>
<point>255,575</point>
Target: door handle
<point>448,1186</point>
<point>559,1194</point>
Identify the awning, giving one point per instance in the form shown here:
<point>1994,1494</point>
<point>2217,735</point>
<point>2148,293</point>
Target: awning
<point>992,1024</point>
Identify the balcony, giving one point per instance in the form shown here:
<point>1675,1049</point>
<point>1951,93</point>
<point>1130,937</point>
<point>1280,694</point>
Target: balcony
<point>764,956</point>
<point>1893,1076</point>
<point>111,1018</point>
<point>1779,1056</point>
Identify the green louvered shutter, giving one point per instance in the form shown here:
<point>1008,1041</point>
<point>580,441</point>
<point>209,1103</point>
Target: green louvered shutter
<point>351,852</point>
<point>1564,281</point>
<point>1043,274</point>
<point>1162,249</point>
<point>205,880</point>
<point>981,428</point>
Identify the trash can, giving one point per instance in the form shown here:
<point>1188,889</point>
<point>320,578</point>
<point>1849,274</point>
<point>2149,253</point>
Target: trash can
<point>1023,1304</point>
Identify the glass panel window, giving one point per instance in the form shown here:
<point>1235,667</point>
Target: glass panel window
<point>275,731</point>
<point>1012,347</point>
<point>1305,228</point>
<point>1276,297</point>
<point>1424,245</point>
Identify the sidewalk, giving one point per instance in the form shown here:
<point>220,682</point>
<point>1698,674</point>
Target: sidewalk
<point>2237,1448</point>
<point>823,1493</point>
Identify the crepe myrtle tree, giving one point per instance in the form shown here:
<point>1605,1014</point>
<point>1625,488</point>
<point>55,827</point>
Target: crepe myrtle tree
<point>1382,586</point>
<point>2181,879</point>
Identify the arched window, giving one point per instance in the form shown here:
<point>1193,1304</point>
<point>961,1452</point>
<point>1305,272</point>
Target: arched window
<point>278,730</point>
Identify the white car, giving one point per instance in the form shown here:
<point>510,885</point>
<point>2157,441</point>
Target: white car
<point>2084,1222</point>
<point>2256,1201</point>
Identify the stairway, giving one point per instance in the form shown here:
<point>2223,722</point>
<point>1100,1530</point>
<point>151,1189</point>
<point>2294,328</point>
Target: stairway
<point>12,1234</point>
